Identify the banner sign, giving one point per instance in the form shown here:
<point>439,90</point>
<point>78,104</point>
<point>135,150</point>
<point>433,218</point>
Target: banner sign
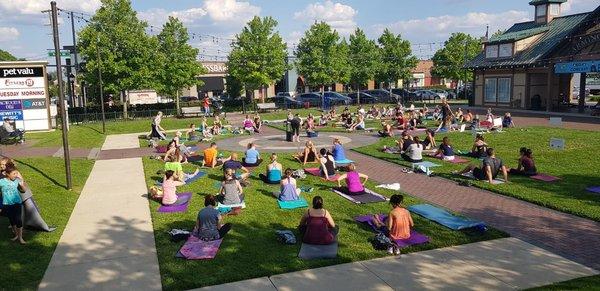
<point>13,114</point>
<point>34,104</point>
<point>577,67</point>
<point>10,105</point>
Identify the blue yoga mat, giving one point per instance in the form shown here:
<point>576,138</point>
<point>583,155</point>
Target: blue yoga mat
<point>189,180</point>
<point>445,218</point>
<point>300,203</point>
<point>344,162</point>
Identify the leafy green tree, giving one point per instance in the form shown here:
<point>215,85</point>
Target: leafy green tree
<point>321,58</point>
<point>449,61</point>
<point>364,59</point>
<point>234,86</point>
<point>129,57</point>
<point>397,59</point>
<point>179,67</point>
<point>6,56</point>
<point>258,54</point>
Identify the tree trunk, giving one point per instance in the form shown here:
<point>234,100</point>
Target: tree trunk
<point>124,99</point>
<point>357,94</point>
<point>177,106</point>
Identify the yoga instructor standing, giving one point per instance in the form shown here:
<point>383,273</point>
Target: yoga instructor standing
<point>157,130</point>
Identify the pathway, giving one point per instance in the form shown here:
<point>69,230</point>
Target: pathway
<point>573,237</point>
<point>108,242</point>
<point>502,264</point>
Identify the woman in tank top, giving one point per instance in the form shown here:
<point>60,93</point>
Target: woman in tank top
<point>354,186</point>
<point>327,164</point>
<point>317,226</point>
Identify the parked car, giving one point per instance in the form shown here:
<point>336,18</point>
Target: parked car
<point>288,94</point>
<point>335,98</point>
<point>426,95</point>
<point>384,95</point>
<point>285,102</point>
<point>188,98</point>
<point>313,99</point>
<point>441,93</point>
<point>406,95</point>
<point>364,98</point>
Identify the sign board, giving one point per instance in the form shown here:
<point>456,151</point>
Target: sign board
<point>24,94</point>
<point>63,53</point>
<point>142,97</point>
<point>577,67</point>
<point>557,143</point>
<point>215,68</point>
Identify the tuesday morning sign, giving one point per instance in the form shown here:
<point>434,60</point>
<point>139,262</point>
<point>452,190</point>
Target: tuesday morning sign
<point>24,94</point>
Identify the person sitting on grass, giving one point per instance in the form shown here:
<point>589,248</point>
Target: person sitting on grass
<point>327,161</point>
<point>257,123</point>
<point>174,165</point>
<point>333,114</point>
<point>11,187</point>
<point>397,224</point>
<point>191,133</point>
<point>231,190</point>
<point>507,121</point>
<point>386,130</point>
<point>308,155</point>
<point>459,115</point>
<point>174,154</point>
<point>217,126</point>
<point>274,171</point>
<point>324,119</point>
<point>346,115</point>
<point>445,151</point>
<point>209,222</point>
<point>359,124</point>
<point>309,125</point>
<point>339,154</point>
<point>405,141</point>
<point>289,190</point>
<point>248,124</point>
<point>400,121</point>
<point>526,166</point>
<point>414,152</point>
<point>467,117</point>
<point>353,184</point>
<point>169,185</point>
<point>415,119</point>
<point>317,226</point>
<point>233,164</point>
<point>210,156</point>
<point>183,149</point>
<point>252,156</point>
<point>490,168</point>
<point>429,142</point>
<point>479,149</point>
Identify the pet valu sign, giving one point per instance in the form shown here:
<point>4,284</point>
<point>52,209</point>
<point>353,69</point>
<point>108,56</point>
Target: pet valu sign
<point>24,94</point>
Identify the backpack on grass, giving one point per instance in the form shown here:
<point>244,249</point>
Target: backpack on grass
<point>381,242</point>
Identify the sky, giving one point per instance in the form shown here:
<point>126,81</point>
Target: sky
<point>24,30</point>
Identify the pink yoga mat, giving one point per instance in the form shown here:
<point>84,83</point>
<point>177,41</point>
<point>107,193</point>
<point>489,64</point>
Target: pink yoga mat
<point>545,178</point>
<point>317,172</point>
<point>414,239</point>
<point>458,160</point>
<point>197,249</point>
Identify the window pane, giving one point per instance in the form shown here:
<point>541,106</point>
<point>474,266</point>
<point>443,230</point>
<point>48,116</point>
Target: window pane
<point>491,51</point>
<point>504,90</point>
<point>505,50</point>
<point>490,90</point>
<point>554,9</point>
<point>540,10</point>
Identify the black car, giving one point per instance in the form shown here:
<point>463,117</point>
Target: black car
<point>384,95</point>
<point>405,94</point>
<point>285,102</point>
<point>313,99</point>
<point>365,98</point>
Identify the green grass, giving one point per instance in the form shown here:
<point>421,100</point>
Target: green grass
<point>24,266</point>
<point>577,165</point>
<point>586,283</point>
<point>251,250</point>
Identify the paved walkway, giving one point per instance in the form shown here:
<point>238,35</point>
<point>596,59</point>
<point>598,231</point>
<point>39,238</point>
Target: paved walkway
<point>503,264</point>
<point>567,235</point>
<point>108,242</point>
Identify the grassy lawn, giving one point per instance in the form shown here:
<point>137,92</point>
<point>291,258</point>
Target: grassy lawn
<point>251,250</point>
<point>24,266</point>
<point>577,165</point>
<point>585,283</point>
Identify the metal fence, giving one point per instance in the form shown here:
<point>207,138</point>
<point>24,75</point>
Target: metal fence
<point>117,115</point>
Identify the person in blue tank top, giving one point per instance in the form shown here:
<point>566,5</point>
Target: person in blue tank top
<point>289,190</point>
<point>274,171</point>
<point>338,151</point>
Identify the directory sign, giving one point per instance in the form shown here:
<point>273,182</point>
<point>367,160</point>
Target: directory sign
<point>577,67</point>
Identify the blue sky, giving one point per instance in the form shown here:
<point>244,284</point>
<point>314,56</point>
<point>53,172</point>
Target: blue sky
<point>426,23</point>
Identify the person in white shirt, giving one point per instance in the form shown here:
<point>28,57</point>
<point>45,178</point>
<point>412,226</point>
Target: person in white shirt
<point>414,152</point>
<point>12,130</point>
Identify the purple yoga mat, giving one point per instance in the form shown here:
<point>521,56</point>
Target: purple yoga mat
<point>181,205</point>
<point>317,172</point>
<point>593,189</point>
<point>414,239</point>
<point>197,249</point>
<point>544,178</point>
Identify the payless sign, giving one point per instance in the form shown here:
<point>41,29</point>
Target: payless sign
<point>23,94</point>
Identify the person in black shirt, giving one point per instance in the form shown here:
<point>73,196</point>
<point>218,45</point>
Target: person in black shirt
<point>490,168</point>
<point>295,125</point>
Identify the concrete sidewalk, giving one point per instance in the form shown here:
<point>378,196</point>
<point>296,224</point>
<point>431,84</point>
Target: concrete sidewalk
<point>503,264</point>
<point>108,242</point>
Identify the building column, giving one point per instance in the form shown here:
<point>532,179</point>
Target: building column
<point>549,90</point>
<point>581,101</point>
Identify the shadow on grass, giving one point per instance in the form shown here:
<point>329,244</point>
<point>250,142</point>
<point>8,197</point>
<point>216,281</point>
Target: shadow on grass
<point>54,181</point>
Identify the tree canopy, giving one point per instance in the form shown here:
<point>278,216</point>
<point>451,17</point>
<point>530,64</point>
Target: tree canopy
<point>397,59</point>
<point>449,61</point>
<point>364,58</point>
<point>6,56</point>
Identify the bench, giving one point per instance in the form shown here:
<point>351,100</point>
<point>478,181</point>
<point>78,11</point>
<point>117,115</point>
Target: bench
<point>266,106</point>
<point>191,111</point>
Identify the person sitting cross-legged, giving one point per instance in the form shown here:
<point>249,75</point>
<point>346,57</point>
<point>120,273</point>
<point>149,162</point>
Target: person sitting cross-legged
<point>235,165</point>
<point>327,161</point>
<point>397,224</point>
<point>317,226</point>
<point>274,171</point>
<point>209,222</point>
<point>353,184</point>
<point>169,185</point>
<point>231,190</point>
<point>289,190</point>
<point>526,166</point>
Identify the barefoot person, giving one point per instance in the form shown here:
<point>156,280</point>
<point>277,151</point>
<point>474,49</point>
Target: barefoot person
<point>157,130</point>
<point>11,187</point>
<point>289,190</point>
<point>169,185</point>
<point>231,190</point>
<point>489,170</point>
<point>308,155</point>
<point>274,171</point>
<point>353,184</point>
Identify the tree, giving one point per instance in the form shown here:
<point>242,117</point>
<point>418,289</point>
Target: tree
<point>321,58</point>
<point>179,67</point>
<point>6,56</point>
<point>449,61</point>
<point>397,60</point>
<point>258,55</point>
<point>129,57</point>
<point>364,59</point>
<point>499,32</point>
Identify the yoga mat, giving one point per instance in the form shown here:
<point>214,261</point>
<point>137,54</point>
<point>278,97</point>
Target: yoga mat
<point>445,218</point>
<point>161,149</point>
<point>344,162</point>
<point>300,203</point>
<point>189,180</point>
<point>593,189</point>
<point>180,205</point>
<point>317,172</point>
<point>457,160</point>
<point>197,249</point>
<point>31,216</point>
<point>195,158</point>
<point>223,206</point>
<point>369,197</point>
<point>544,178</point>
<point>415,238</point>
<point>426,164</point>
<point>470,176</point>
<point>311,252</point>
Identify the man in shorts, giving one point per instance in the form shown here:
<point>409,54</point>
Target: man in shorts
<point>490,168</point>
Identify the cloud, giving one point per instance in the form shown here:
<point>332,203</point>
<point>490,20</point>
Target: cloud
<point>230,11</point>
<point>440,27</point>
<point>578,6</point>
<point>158,17</point>
<point>8,34</point>
<point>338,15</point>
<point>29,7</point>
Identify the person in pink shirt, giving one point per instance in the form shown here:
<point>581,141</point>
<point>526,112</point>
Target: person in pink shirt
<point>170,188</point>
<point>354,186</point>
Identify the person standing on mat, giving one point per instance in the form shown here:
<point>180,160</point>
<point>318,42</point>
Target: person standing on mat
<point>11,188</point>
<point>289,190</point>
<point>295,125</point>
<point>353,184</point>
<point>274,171</point>
<point>327,161</point>
<point>317,226</point>
<point>397,224</point>
<point>231,190</point>
<point>526,166</point>
<point>252,156</point>
<point>169,186</point>
<point>209,222</point>
<point>490,168</point>
<point>414,152</point>
<point>157,130</point>
<point>445,151</point>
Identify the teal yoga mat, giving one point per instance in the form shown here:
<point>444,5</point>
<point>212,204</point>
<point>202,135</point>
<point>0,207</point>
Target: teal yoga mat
<point>300,203</point>
<point>445,218</point>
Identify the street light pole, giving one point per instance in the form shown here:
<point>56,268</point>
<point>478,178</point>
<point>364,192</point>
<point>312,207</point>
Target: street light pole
<point>61,95</point>
<point>100,84</point>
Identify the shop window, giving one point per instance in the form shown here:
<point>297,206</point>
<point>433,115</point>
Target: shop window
<point>503,90</point>
<point>490,89</point>
<point>497,90</point>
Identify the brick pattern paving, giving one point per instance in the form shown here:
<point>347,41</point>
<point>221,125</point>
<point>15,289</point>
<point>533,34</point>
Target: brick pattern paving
<point>572,237</point>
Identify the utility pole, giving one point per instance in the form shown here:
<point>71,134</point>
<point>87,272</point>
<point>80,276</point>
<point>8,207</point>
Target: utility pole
<point>61,94</point>
<point>100,83</point>
<point>76,65</point>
